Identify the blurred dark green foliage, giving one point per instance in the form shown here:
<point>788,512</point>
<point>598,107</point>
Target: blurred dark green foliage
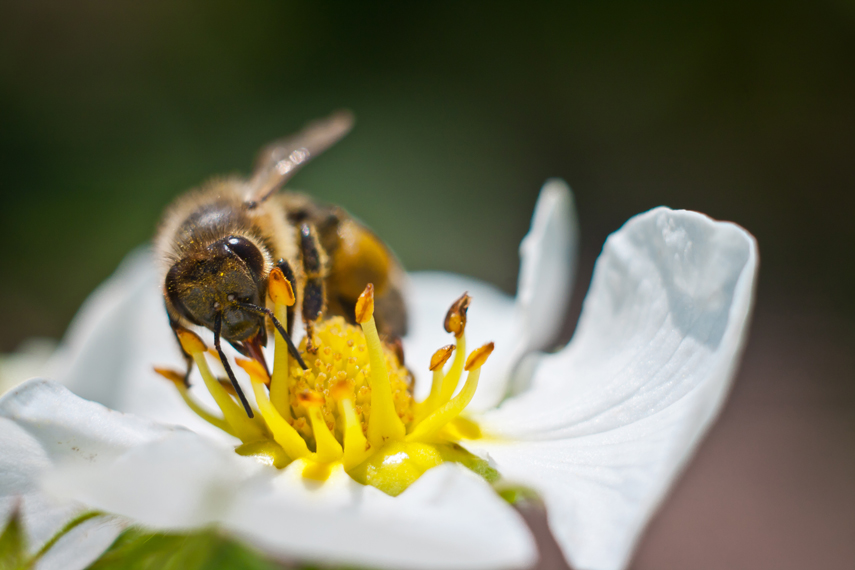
<point>742,110</point>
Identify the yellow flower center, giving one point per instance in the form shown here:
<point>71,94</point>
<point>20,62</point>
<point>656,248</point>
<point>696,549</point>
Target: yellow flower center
<point>353,405</point>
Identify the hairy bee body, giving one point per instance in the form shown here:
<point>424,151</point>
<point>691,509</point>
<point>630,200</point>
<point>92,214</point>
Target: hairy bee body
<point>219,243</point>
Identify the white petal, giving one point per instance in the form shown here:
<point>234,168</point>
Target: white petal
<point>449,518</point>
<point>100,340</point>
<point>609,421</point>
<point>180,482</point>
<point>43,424</point>
<point>532,322</point>
<point>547,271</point>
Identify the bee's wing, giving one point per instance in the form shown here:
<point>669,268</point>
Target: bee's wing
<point>281,159</point>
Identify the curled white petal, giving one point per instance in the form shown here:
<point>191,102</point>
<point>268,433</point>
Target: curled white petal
<point>449,518</point>
<point>547,270</point>
<point>609,421</point>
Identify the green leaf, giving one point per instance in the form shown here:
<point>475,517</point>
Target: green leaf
<point>136,549</point>
<point>13,545</point>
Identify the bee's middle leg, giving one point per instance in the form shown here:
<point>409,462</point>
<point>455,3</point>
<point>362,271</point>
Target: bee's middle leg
<point>314,267</point>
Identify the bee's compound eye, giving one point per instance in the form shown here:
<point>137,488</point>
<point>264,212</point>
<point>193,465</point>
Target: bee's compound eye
<point>248,252</point>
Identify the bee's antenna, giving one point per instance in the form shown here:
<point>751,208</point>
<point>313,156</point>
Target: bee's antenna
<point>218,324</point>
<point>265,311</point>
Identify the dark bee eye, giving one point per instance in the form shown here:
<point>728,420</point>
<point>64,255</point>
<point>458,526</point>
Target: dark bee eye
<point>248,252</point>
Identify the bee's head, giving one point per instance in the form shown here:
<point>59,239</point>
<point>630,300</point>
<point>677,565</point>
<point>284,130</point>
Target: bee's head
<point>218,284</point>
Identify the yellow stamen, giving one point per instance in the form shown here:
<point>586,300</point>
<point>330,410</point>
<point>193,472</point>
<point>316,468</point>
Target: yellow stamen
<point>177,380</point>
<point>228,387</point>
<point>241,426</point>
<point>282,294</point>
<point>283,433</point>
<point>279,288</point>
<point>190,341</point>
<point>439,358</point>
<point>327,448</point>
<point>452,378</point>
<point>455,318</point>
<point>479,356</point>
<point>384,423</point>
<point>356,448</point>
<point>434,422</point>
<point>353,405</point>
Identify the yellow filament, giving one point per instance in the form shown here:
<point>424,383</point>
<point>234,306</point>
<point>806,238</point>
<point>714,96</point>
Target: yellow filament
<point>202,412</point>
<point>430,403</point>
<point>450,381</point>
<point>434,422</point>
<point>279,383</point>
<point>283,433</point>
<point>384,423</point>
<point>356,448</point>
<point>242,427</point>
<point>327,448</point>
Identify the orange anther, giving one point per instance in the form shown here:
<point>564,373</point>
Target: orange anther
<point>455,319</point>
<point>170,374</point>
<point>342,389</point>
<point>441,356</point>
<point>254,368</point>
<point>478,357</point>
<point>228,387</point>
<point>190,341</point>
<point>280,289</point>
<point>310,398</point>
<point>365,304</point>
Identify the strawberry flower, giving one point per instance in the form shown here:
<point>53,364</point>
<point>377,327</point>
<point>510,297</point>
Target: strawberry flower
<point>598,429</point>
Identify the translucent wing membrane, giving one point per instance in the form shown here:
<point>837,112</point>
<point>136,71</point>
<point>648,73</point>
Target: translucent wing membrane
<point>281,159</point>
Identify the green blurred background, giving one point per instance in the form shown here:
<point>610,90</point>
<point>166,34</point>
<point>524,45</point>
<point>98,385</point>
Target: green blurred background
<point>742,110</point>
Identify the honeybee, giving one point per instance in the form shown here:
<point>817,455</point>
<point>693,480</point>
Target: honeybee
<point>218,244</point>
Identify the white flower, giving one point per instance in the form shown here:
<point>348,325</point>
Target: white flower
<point>599,429</point>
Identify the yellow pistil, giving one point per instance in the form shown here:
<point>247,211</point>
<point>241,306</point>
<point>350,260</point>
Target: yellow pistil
<point>352,407</point>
